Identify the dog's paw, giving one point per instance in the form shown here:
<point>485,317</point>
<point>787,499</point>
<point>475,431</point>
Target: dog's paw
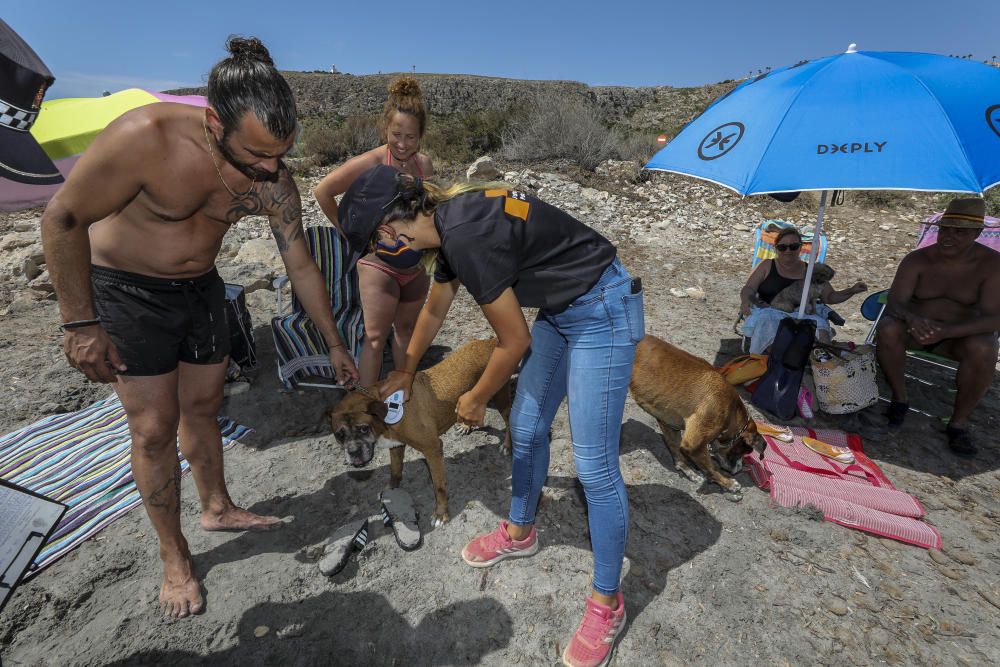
<point>504,448</point>
<point>464,429</point>
<point>439,519</point>
<point>735,496</point>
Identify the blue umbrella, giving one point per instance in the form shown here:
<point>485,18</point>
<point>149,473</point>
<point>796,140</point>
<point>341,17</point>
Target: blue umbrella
<point>860,120</point>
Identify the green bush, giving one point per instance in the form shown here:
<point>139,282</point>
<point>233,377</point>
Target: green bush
<point>561,128</point>
<point>462,137</point>
<point>333,141</point>
<point>993,202</point>
<point>637,146</point>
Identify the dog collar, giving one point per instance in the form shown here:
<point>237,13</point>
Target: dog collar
<point>732,441</point>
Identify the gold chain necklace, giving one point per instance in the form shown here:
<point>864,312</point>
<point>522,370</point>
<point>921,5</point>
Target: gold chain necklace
<point>215,164</point>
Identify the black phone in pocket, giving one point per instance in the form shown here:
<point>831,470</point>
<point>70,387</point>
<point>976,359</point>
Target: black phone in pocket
<point>636,285</point>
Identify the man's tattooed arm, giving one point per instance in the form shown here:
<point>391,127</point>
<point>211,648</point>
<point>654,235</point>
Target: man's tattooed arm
<point>284,208</point>
<point>248,204</point>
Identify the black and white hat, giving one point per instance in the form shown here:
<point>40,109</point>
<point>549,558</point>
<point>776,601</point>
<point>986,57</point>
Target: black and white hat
<point>24,78</point>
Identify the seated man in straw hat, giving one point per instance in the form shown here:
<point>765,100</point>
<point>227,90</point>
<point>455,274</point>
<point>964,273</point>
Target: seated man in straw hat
<point>945,299</point>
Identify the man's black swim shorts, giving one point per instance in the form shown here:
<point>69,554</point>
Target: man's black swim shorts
<point>157,322</point>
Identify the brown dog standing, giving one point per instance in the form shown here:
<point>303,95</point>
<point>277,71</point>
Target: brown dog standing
<point>358,419</point>
<point>682,391</point>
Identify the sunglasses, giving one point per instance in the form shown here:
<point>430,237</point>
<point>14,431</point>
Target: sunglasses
<point>782,247</point>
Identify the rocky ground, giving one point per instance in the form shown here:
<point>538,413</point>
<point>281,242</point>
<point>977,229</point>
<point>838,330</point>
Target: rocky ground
<point>710,581</point>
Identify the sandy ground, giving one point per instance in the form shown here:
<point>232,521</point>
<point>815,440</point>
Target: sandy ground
<point>711,581</point>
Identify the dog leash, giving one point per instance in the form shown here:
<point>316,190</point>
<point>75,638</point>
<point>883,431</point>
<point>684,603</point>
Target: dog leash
<point>366,391</point>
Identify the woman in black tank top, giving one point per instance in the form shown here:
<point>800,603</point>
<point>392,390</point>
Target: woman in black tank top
<point>771,277</point>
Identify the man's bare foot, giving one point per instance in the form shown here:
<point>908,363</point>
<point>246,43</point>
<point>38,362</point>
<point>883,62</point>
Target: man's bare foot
<point>235,518</point>
<point>180,594</point>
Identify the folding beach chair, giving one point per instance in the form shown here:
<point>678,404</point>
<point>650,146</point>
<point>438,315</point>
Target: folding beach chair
<point>302,354</point>
<point>873,307</point>
<point>765,234</point>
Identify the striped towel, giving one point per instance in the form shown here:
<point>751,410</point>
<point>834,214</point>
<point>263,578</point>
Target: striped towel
<point>82,459</point>
<point>858,496</point>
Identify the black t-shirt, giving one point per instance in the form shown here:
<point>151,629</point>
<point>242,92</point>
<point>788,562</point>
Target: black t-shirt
<point>495,239</point>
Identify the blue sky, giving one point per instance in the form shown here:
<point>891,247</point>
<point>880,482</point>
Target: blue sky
<point>109,45</point>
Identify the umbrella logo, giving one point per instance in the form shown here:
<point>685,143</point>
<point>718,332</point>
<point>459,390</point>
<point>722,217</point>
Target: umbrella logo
<point>993,118</point>
<point>720,141</point>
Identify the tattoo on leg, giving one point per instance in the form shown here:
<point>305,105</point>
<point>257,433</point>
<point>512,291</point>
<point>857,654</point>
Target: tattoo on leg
<point>168,496</point>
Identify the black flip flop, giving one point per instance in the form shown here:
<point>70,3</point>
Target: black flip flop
<point>960,442</point>
<point>342,544</point>
<point>399,514</point>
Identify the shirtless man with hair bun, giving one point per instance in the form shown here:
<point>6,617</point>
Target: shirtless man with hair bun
<point>131,241</point>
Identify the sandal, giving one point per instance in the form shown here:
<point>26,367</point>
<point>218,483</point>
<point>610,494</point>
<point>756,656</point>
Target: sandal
<point>897,413</point>
<point>780,433</point>
<point>960,442</point>
<point>838,454</point>
<point>399,514</point>
<point>342,544</point>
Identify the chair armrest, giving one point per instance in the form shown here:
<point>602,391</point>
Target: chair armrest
<point>874,304</point>
<point>278,283</point>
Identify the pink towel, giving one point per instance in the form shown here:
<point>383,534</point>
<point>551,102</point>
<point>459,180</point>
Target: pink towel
<point>857,496</point>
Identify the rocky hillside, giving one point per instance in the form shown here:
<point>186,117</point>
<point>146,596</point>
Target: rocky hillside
<point>659,108</point>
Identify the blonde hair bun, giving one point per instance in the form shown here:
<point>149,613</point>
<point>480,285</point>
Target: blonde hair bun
<point>405,86</point>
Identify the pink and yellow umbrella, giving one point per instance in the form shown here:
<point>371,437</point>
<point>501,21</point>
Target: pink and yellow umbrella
<point>64,129</point>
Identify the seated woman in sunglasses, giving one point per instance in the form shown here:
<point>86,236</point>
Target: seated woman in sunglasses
<point>772,276</point>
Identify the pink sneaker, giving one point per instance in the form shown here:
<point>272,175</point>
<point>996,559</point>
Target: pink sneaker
<point>594,640</point>
<point>491,548</point>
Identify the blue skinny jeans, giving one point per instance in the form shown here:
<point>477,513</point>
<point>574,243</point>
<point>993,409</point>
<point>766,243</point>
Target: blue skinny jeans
<point>585,354</point>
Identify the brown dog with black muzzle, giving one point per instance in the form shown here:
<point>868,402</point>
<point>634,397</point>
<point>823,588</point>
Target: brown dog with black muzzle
<point>358,419</point>
<point>682,391</point>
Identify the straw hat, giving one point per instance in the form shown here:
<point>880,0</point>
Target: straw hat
<point>969,213</point>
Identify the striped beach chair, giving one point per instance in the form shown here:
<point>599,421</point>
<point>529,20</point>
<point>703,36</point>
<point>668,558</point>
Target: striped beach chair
<point>302,354</point>
<point>765,234</point>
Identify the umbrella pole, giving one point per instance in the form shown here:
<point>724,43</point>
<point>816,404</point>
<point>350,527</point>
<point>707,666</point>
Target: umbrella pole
<point>812,256</point>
